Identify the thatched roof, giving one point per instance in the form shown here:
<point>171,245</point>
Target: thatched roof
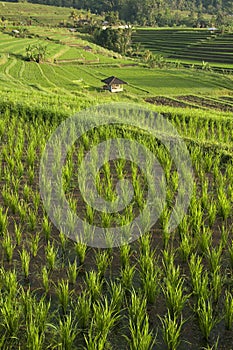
<point>87,48</point>
<point>113,80</point>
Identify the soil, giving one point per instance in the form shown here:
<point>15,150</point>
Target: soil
<point>166,101</point>
<point>192,101</point>
<point>207,103</point>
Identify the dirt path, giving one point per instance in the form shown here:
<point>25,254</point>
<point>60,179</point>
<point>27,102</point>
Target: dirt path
<point>78,60</point>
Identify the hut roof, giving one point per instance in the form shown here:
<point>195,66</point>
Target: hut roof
<point>113,80</point>
<point>87,48</point>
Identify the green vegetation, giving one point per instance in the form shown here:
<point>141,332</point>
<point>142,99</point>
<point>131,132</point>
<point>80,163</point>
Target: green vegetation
<point>35,14</point>
<point>77,71</point>
<point>164,290</point>
<point>111,308</point>
<point>118,40</point>
<point>187,45</point>
<point>160,12</point>
<point>36,53</point>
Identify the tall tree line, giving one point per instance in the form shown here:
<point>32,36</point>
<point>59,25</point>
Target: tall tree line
<point>144,11</point>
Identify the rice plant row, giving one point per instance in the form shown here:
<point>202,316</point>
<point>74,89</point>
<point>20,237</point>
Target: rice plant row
<point>56,293</point>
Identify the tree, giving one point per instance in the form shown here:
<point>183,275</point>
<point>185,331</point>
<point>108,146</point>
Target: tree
<point>144,11</point>
<point>125,40</point>
<point>114,39</point>
<point>74,16</point>
<point>220,20</point>
<point>112,17</point>
<point>137,48</point>
<point>206,66</point>
<point>36,53</point>
<point>147,56</point>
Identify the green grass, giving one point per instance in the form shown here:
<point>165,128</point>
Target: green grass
<point>37,13</point>
<point>170,82</point>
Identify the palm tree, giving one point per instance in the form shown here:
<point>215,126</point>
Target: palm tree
<point>125,40</point>
<point>29,52</point>
<point>74,16</point>
<point>137,48</point>
<point>36,53</point>
<point>147,55</point>
<point>41,53</point>
<point>205,66</point>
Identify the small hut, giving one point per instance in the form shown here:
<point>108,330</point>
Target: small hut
<point>113,84</point>
<point>15,33</point>
<point>87,48</point>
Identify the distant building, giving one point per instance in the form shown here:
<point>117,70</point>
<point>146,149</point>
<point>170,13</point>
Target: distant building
<point>121,26</point>
<point>83,22</point>
<point>126,26</point>
<point>212,30</point>
<point>87,48</point>
<point>15,33</point>
<point>113,84</point>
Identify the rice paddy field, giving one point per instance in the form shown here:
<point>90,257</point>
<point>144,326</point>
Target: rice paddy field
<point>189,45</point>
<point>72,69</point>
<point>38,14</point>
<point>164,290</point>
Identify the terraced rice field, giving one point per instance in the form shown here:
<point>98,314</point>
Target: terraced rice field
<point>68,50</point>
<point>188,45</point>
<point>38,14</point>
<point>77,71</point>
<point>168,290</point>
<point>61,45</point>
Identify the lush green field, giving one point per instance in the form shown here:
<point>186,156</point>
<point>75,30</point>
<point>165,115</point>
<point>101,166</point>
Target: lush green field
<point>69,77</point>
<point>173,287</point>
<point>165,290</point>
<point>38,14</point>
<point>61,45</point>
<point>188,45</point>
